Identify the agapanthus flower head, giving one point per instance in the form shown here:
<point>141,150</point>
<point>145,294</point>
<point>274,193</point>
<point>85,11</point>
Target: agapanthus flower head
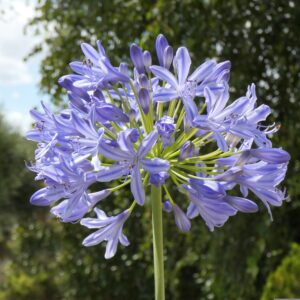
<point>158,125</point>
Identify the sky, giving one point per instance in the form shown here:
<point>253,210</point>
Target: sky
<point>19,91</point>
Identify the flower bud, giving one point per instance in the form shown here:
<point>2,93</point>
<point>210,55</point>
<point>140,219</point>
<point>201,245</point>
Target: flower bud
<point>147,59</point>
<point>167,206</point>
<point>168,57</point>
<point>160,45</point>
<point>123,68</point>
<point>143,81</point>
<point>144,99</point>
<point>187,150</point>
<point>137,58</point>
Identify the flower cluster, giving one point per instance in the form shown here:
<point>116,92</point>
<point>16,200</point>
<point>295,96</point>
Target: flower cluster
<point>154,125</point>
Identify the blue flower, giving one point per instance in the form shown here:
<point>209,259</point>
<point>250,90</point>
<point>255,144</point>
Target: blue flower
<point>117,129</point>
<point>259,176</point>
<point>208,199</point>
<point>208,74</point>
<point>110,230</point>
<point>238,120</point>
<point>96,71</point>
<point>131,161</point>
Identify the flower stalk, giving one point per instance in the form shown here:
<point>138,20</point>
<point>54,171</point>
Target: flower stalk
<point>158,252</point>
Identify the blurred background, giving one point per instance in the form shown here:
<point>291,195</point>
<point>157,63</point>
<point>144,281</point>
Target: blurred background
<point>249,258</point>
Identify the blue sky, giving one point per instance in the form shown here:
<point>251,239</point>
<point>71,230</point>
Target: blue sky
<point>19,90</point>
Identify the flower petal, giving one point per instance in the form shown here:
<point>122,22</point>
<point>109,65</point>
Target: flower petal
<point>155,165</point>
<point>242,204</point>
<point>90,53</point>
<point>271,155</point>
<point>202,71</point>
<point>181,220</point>
<point>147,144</point>
<point>182,63</point>
<point>113,172</point>
<point>165,95</point>
<point>164,75</point>
<point>136,185</point>
<point>112,151</point>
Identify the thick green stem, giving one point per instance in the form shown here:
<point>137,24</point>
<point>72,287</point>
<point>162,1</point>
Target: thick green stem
<point>158,250</point>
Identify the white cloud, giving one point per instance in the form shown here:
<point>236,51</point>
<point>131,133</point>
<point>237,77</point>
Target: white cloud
<point>14,44</point>
<point>14,71</point>
<point>18,121</point>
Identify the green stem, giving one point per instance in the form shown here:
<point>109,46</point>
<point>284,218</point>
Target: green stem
<point>158,250</point>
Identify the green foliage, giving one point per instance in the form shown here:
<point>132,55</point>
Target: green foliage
<point>284,281</point>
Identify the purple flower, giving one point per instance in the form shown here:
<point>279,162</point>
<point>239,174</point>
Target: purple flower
<point>109,229</point>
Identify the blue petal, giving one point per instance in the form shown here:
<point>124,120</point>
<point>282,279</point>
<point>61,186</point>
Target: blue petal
<point>164,95</point>
<point>111,173</point>
<point>147,144</point>
<point>111,248</point>
<point>123,240</point>
<point>182,63</point>
<point>84,127</point>
<point>113,152</point>
<point>202,71</point>
<point>90,53</point>
<point>219,71</point>
<point>164,75</point>
<point>47,196</point>
<point>98,196</point>
<point>181,220</point>
<point>271,155</point>
<point>136,185</point>
<point>100,48</point>
<point>95,223</point>
<point>242,204</point>
<point>192,211</point>
<point>237,107</point>
<point>191,109</point>
<point>125,142</point>
<point>84,69</point>
<point>109,112</point>
<point>221,142</point>
<point>155,165</point>
<point>259,114</point>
